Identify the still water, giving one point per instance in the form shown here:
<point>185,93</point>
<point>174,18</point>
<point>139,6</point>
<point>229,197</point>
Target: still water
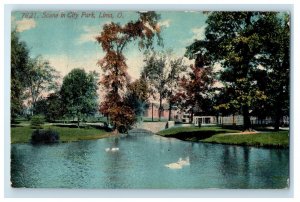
<point>141,162</point>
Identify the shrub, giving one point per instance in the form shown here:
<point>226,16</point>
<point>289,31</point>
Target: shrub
<point>123,129</point>
<point>44,136</point>
<point>107,127</point>
<point>37,121</point>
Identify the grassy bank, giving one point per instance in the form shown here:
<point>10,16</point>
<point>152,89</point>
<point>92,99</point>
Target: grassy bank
<point>268,139</point>
<point>220,135</point>
<point>194,133</point>
<point>22,134</point>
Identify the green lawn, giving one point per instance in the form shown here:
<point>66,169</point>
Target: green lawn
<point>221,136</point>
<point>194,133</point>
<point>22,134</point>
<point>266,139</point>
<point>175,130</point>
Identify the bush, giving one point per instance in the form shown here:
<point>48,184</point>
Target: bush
<point>107,127</point>
<point>37,121</point>
<point>123,129</point>
<point>44,136</point>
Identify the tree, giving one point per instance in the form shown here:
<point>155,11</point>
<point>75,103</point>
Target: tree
<point>113,39</point>
<point>79,94</point>
<point>177,66</point>
<point>137,96</point>
<point>275,59</point>
<point>19,68</point>
<point>225,102</point>
<point>196,89</point>
<point>40,106</point>
<point>50,107</point>
<point>162,73</point>
<point>41,78</point>
<point>54,108</point>
<point>155,73</point>
<point>232,39</point>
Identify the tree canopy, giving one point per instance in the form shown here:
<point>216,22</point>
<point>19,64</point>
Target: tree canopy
<point>137,96</point>
<point>30,78</point>
<point>113,39</point>
<point>19,68</point>
<point>275,58</point>
<point>238,41</point>
<point>79,94</point>
<point>42,78</point>
<point>162,72</point>
<point>196,90</point>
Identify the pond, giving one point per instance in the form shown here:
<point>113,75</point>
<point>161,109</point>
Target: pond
<point>147,161</point>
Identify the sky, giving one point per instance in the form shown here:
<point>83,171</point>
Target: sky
<point>67,38</point>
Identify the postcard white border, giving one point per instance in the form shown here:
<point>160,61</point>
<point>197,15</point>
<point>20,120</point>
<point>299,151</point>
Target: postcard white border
<point>133,193</point>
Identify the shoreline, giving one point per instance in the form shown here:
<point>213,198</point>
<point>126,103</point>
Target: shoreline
<point>22,134</point>
<point>69,141</point>
<point>212,135</point>
<point>251,145</point>
<point>257,145</point>
<point>259,139</point>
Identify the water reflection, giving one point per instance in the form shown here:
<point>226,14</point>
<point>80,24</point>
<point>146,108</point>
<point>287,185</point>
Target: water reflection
<point>246,162</point>
<point>140,163</point>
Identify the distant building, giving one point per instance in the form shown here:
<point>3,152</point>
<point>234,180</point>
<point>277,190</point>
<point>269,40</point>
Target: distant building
<point>239,120</point>
<point>153,111</point>
<point>204,120</point>
<point>232,120</point>
<point>185,118</point>
<point>229,120</point>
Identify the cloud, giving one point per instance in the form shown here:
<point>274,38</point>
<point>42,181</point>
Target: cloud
<point>135,66</point>
<point>89,34</point>
<point>198,34</point>
<point>65,63</point>
<point>25,24</point>
<point>165,23</point>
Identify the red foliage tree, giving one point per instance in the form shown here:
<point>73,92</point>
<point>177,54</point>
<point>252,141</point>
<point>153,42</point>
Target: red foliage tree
<point>113,40</point>
<point>195,89</point>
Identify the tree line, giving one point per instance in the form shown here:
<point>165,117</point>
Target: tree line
<point>252,50</point>
<point>35,88</point>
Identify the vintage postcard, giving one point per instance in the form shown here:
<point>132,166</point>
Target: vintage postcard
<point>150,99</point>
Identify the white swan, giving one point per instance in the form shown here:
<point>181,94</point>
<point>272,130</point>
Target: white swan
<point>185,162</point>
<point>113,149</point>
<point>179,164</point>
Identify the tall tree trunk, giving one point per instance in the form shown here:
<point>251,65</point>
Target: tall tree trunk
<point>247,124</point>
<point>278,113</point>
<point>152,112</point>
<point>277,123</point>
<point>78,121</point>
<point>170,110</point>
<point>192,116</point>
<point>278,109</point>
<point>160,108</point>
<point>222,120</point>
